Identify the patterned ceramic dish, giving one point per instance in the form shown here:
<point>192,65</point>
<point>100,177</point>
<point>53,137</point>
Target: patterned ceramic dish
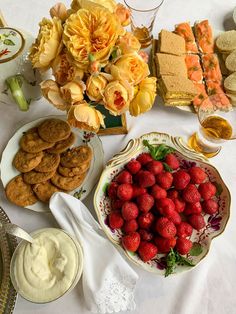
<point>7,246</point>
<point>215,224</point>
<point>82,138</point>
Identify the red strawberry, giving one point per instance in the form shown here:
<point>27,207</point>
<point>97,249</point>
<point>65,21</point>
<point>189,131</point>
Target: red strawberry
<point>112,190</point>
<point>125,192</point>
<point>184,230</point>
<point>138,191</point>
<point>131,241</point>
<point>183,246</point>
<point>164,203</point>
<point>154,167</point>
<point>193,208</point>
<point>207,190</point>
<point>165,180</point>
<point>124,177</point>
<point>147,251</point>
<point>145,220</point>
<point>210,207</point>
<point>145,178</point>
<point>145,202</point>
<point>172,215</point>
<point>133,166</point>
<point>179,205</point>
<point>181,179</point>
<point>172,194</point>
<point>190,194</point>
<point>164,245</point>
<point>115,219</point>
<point>129,211</point>
<point>144,158</point>
<point>172,161</point>
<point>196,221</point>
<point>117,204</point>
<point>165,228</point>
<point>130,226</point>
<point>145,235</point>
<point>158,192</point>
<point>197,175</point>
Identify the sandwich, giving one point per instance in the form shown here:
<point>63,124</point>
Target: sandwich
<point>185,31</point>
<point>226,42</point>
<point>194,68</point>
<point>230,84</point>
<point>211,67</point>
<point>230,62</point>
<point>167,64</point>
<point>171,43</point>
<point>204,36</point>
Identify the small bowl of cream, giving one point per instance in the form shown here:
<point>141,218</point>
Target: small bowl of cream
<point>48,268</point>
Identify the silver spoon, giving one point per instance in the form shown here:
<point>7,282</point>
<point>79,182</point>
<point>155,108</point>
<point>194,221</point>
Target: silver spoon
<point>16,231</point>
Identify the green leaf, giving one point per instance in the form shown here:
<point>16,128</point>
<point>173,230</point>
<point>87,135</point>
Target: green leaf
<point>8,42</point>
<point>104,188</point>
<point>196,249</point>
<point>158,152</point>
<point>184,261</point>
<point>167,167</point>
<point>219,188</point>
<point>170,263</point>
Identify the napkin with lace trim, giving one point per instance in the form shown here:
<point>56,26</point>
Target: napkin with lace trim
<point>108,280</point>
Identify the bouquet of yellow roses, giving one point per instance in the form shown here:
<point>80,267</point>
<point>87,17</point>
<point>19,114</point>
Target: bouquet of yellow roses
<point>94,60</point>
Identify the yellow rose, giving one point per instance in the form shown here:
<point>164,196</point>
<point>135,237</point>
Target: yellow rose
<point>117,97</point>
<point>95,86</point>
<point>130,67</point>
<point>59,10</point>
<point>144,99</point>
<point>73,92</point>
<point>51,92</point>
<point>65,70</point>
<point>48,43</point>
<point>128,43</point>
<point>91,32</point>
<point>84,117</point>
<point>123,14</point>
<point>109,4</point>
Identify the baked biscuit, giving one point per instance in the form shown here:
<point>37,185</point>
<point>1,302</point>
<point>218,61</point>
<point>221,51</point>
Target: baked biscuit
<point>32,143</point>
<point>25,162</point>
<point>48,163</point>
<point>67,183</point>
<point>34,177</point>
<point>76,156</point>
<point>54,130</point>
<point>63,145</point>
<point>75,171</point>
<point>20,193</point>
<point>44,190</point>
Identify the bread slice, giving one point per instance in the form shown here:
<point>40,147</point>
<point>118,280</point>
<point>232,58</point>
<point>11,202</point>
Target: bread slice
<point>230,61</point>
<point>171,43</point>
<point>230,83</point>
<point>177,88</point>
<point>170,65</point>
<point>226,42</point>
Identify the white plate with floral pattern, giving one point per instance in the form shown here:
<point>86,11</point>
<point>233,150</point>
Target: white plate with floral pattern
<point>82,138</point>
<point>215,224</point>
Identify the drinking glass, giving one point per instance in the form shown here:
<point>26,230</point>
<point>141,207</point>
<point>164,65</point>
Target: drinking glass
<point>143,14</point>
<point>216,127</point>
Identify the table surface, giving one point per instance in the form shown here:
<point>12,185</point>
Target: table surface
<point>206,289</point>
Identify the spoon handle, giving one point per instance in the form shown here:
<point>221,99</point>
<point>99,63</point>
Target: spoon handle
<point>17,231</point>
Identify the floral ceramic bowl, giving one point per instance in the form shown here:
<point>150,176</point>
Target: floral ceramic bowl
<point>215,224</point>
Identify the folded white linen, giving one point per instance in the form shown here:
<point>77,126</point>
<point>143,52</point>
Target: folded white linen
<point>108,281</point>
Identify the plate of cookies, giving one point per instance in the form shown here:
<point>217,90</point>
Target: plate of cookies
<point>46,156</point>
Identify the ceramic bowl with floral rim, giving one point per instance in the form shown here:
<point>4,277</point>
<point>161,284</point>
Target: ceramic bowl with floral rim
<point>215,224</point>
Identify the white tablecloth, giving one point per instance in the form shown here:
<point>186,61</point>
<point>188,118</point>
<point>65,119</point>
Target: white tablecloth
<point>208,288</point>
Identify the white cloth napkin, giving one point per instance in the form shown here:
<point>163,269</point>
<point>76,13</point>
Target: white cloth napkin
<point>108,280</point>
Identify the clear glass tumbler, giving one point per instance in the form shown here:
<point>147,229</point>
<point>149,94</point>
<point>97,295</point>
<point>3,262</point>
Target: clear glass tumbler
<point>143,14</point>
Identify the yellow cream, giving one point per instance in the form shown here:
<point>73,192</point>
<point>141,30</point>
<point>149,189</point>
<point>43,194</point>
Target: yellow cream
<point>46,269</point>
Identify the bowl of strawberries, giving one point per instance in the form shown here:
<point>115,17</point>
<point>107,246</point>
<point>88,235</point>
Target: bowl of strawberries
<point>162,203</point>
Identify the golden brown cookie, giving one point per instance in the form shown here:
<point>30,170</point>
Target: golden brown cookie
<point>48,163</point>
<point>44,190</point>
<point>75,171</point>
<point>24,162</point>
<point>63,145</point>
<point>34,177</point>
<point>20,193</point>
<point>32,143</point>
<point>54,130</point>
<point>67,183</point>
<point>76,156</point>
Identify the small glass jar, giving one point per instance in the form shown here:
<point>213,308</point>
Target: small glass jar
<point>19,257</point>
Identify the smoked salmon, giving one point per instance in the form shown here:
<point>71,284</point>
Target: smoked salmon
<point>194,68</point>
<point>204,37</point>
<point>185,31</point>
<point>211,68</point>
<point>202,99</point>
